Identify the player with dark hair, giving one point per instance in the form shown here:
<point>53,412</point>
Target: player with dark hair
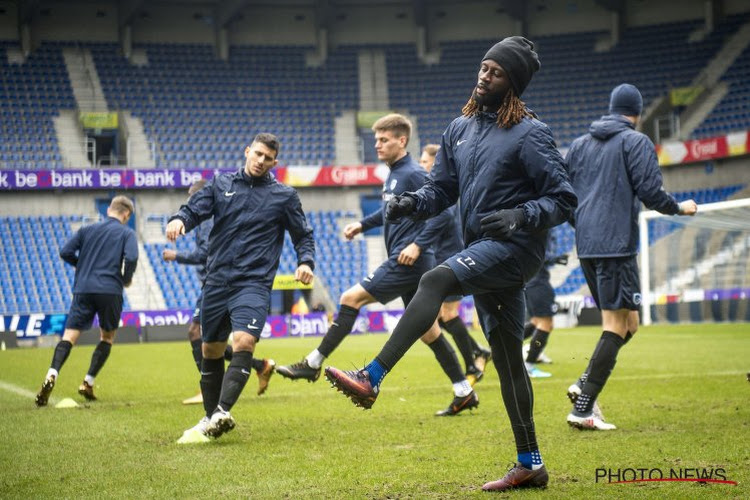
<point>613,169</point>
<point>251,211</point>
<point>410,255</point>
<point>105,256</point>
<point>450,243</point>
<point>198,257</point>
<point>503,166</point>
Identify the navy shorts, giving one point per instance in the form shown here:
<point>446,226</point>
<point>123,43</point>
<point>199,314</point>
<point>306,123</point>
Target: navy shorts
<point>197,310</point>
<point>614,282</point>
<point>85,306</point>
<point>232,309</point>
<point>540,296</point>
<point>392,280</point>
<point>488,270</point>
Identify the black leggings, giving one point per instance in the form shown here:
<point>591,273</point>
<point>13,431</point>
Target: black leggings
<point>420,314</point>
<point>515,386</point>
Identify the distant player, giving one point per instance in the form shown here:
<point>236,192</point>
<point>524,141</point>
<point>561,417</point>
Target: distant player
<point>251,211</point>
<point>541,308</point>
<point>105,256</point>
<point>410,254</point>
<point>503,166</point>
<point>613,169</point>
<point>449,244</point>
<point>198,257</point>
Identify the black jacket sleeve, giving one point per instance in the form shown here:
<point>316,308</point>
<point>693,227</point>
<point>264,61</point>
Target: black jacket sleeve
<point>645,175</point>
<point>199,207</point>
<point>130,257</point>
<point>69,251</point>
<point>300,232</point>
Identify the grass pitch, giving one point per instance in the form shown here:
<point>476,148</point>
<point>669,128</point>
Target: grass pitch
<point>679,396</point>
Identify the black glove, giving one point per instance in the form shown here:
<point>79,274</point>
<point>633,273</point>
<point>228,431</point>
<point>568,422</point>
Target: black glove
<point>503,223</point>
<point>399,206</point>
<point>561,259</point>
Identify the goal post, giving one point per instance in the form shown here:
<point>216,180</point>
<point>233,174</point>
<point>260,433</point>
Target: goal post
<point>691,259</point>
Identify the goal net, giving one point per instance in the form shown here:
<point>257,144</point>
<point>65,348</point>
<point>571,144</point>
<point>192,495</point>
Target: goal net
<point>696,268</point>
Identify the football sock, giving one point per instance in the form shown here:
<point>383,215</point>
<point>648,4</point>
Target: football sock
<point>89,380</point>
<point>601,366</point>
<point>537,345</point>
<point>62,351</point>
<point>212,374</point>
<point>51,373</point>
<point>528,330</point>
<point>340,328</point>
<point>196,347</point>
<point>515,387</point>
<point>228,353</point>
<point>628,336</point>
<point>315,359</point>
<point>258,364</point>
<point>531,459</point>
<point>462,389</point>
<point>446,356</point>
<point>462,339</point>
<point>99,357</point>
<point>235,379</point>
<point>377,373</point>
<point>420,314</point>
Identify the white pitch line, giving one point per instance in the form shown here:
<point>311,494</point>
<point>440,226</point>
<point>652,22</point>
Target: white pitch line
<point>7,386</point>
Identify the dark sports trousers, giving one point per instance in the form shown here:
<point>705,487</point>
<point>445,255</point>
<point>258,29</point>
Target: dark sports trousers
<point>614,282</point>
<point>231,309</point>
<point>85,306</point>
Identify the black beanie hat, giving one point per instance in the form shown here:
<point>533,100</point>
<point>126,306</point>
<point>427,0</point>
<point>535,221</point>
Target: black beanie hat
<point>625,100</point>
<point>517,57</point>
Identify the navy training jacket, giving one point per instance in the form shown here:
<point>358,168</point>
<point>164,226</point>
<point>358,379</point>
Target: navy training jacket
<point>492,168</point>
<point>199,255</point>
<point>250,215</point>
<point>99,252</point>
<point>405,175</point>
<point>611,169</point>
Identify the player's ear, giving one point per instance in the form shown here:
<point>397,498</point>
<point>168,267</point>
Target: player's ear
<point>247,151</point>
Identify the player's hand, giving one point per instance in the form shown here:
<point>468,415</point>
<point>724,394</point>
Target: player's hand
<point>409,255</point>
<point>304,274</point>
<point>127,285</point>
<point>562,259</point>
<point>399,206</point>
<point>175,228</point>
<point>353,229</point>
<point>688,207</point>
<point>168,254</point>
<point>502,224</point>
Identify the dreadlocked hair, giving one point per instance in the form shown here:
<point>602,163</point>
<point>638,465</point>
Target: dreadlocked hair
<point>511,111</point>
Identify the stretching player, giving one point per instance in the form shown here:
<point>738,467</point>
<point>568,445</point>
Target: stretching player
<point>105,256</point>
<point>263,367</point>
<point>503,165</point>
<point>613,169</point>
<point>410,255</point>
<point>251,211</point>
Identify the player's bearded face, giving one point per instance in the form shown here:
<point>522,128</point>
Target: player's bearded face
<point>259,159</point>
<point>492,85</point>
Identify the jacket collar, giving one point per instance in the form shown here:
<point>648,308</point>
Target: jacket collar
<point>401,162</point>
<point>253,181</point>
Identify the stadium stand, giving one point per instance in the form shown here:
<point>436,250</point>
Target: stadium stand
<point>34,278</point>
<point>733,111</point>
<point>339,265</point>
<point>201,111</point>
<point>31,94</point>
